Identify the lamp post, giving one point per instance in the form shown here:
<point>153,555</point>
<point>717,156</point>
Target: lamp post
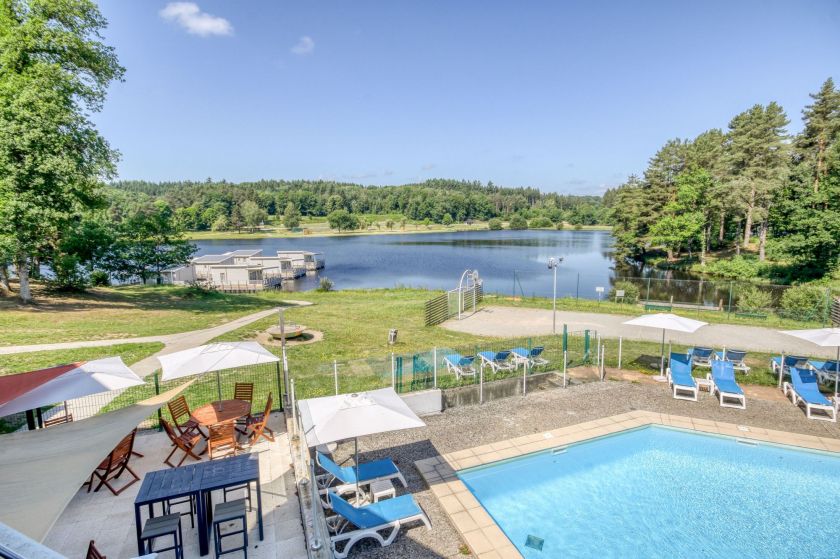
<point>553,263</point>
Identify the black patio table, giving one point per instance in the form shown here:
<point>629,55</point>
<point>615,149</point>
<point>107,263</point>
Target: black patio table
<point>198,480</point>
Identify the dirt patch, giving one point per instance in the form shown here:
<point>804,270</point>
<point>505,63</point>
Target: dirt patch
<point>308,337</point>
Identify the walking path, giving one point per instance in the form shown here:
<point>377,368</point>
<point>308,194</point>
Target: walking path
<point>172,342</point>
<point>516,321</point>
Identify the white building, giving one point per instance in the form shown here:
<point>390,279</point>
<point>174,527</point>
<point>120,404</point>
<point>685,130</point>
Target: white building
<point>310,261</point>
<point>243,269</point>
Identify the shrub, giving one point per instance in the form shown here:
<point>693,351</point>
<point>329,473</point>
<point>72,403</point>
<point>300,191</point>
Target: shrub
<point>578,226</point>
<point>326,284</point>
<point>631,292</point>
<point>753,299</point>
<point>804,302</point>
<point>517,222</point>
<point>540,222</point>
<point>737,268</point>
<point>68,274</point>
<point>100,278</point>
<point>494,224</point>
<point>447,220</point>
<point>560,225</point>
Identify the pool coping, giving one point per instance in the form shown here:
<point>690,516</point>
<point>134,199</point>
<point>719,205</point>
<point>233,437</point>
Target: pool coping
<point>478,529</point>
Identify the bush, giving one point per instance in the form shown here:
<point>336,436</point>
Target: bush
<point>69,275</point>
<point>804,302</point>
<point>326,284</point>
<point>447,220</point>
<point>560,225</point>
<point>578,226</point>
<point>517,222</point>
<point>494,224</point>
<point>736,268</point>
<point>100,278</point>
<point>631,292</point>
<point>540,222</point>
<point>752,299</point>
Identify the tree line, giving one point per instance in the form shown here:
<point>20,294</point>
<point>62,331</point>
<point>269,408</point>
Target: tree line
<point>224,206</point>
<point>752,186</point>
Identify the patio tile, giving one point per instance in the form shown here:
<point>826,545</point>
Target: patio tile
<point>464,522</point>
<point>478,542</point>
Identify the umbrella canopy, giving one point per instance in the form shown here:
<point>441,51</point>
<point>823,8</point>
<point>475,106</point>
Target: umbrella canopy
<point>213,357</point>
<point>347,416</point>
<point>824,337</point>
<point>350,416</point>
<point>41,471</point>
<point>27,391</point>
<point>666,321</point>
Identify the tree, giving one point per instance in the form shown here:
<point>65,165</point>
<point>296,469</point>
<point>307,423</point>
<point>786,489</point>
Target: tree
<point>252,214</point>
<point>447,220</point>
<point>54,72</point>
<point>822,127</point>
<point>494,224</point>
<point>342,220</point>
<point>236,219</point>
<point>389,224</point>
<point>757,159</point>
<point>518,222</point>
<point>147,243</point>
<point>291,216</point>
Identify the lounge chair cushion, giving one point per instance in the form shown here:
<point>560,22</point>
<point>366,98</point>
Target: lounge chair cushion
<point>367,470</point>
<point>521,352</point>
<point>681,370</point>
<point>805,385</point>
<point>376,514</point>
<point>724,376</point>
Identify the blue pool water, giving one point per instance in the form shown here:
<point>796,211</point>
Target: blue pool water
<point>660,492</point>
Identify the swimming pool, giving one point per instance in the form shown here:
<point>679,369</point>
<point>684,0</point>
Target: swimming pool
<point>664,492</point>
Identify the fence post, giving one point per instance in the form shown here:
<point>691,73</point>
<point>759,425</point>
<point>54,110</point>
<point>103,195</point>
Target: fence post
<point>434,367</point>
<point>335,375</point>
<point>782,369</point>
<point>620,339</point>
<point>525,378</point>
<point>157,392</point>
<point>585,346</point>
<point>292,403</point>
<point>647,297</point>
<point>399,374</point>
<point>565,338</point>
<point>393,372</point>
<point>603,362</point>
<point>279,385</point>
<point>577,287</point>
<point>565,361</point>
<point>729,306</point>
<point>481,383</point>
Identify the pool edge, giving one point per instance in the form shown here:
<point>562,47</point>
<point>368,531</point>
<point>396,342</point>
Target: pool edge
<point>478,529</point>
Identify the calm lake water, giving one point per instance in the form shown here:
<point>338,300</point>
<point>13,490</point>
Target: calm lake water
<point>508,261</point>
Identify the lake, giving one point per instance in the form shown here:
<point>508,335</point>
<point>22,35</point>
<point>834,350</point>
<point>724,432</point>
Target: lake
<point>509,262</point>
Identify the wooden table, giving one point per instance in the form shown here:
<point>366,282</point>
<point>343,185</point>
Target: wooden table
<point>221,412</point>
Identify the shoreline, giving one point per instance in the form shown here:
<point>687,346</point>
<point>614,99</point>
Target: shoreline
<point>283,234</point>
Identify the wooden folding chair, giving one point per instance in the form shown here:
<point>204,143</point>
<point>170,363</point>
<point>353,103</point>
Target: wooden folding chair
<point>243,391</point>
<point>258,425</point>
<point>183,442</point>
<point>182,417</point>
<point>113,466</point>
<point>93,553</point>
<point>221,440</point>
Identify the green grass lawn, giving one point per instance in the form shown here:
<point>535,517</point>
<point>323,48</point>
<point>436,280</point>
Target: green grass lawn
<point>23,362</point>
<point>122,312</point>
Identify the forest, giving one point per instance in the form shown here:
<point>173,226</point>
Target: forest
<point>223,206</point>
<point>762,201</point>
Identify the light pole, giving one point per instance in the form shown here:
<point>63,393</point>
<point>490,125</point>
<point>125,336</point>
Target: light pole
<point>553,263</point>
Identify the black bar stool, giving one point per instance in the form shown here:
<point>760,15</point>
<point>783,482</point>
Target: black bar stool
<point>189,500</point>
<point>159,526</point>
<point>226,512</point>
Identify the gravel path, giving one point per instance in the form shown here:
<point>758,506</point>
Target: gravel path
<point>471,426</point>
<point>509,321</point>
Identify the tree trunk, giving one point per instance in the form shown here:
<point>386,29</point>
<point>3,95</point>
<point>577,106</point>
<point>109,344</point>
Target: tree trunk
<point>762,240</point>
<point>5,288</point>
<point>25,292</point>
<point>670,254</point>
<point>749,218</point>
<point>722,229</point>
<point>820,151</point>
<point>705,242</point>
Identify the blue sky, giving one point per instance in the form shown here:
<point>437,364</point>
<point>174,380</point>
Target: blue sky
<point>564,96</point>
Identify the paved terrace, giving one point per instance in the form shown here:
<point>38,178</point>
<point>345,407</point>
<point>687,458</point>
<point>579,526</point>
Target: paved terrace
<point>109,520</point>
<point>468,427</point>
<point>505,321</point>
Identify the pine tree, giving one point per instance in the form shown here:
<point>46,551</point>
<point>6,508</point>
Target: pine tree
<point>822,127</point>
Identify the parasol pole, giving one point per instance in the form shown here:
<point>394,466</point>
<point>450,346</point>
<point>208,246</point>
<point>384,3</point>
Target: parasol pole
<point>356,445</point>
<point>836,372</point>
<point>662,355</point>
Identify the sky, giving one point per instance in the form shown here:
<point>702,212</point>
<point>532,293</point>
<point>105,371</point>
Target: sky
<point>568,96</point>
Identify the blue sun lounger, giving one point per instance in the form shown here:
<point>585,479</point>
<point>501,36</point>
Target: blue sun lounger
<point>701,356</point>
<point>736,356</point>
<point>826,370</point>
<point>679,377</point>
<point>459,365</point>
<point>722,379</point>
<point>804,389</point>
<point>352,523</point>
<point>369,472</point>
<point>531,357</point>
<point>789,361</point>
<point>496,360</point>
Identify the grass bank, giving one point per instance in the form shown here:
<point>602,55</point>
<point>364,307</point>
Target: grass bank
<point>23,362</point>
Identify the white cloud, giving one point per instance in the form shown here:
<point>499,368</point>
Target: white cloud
<point>189,16</point>
<point>305,45</point>
<point>428,167</point>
